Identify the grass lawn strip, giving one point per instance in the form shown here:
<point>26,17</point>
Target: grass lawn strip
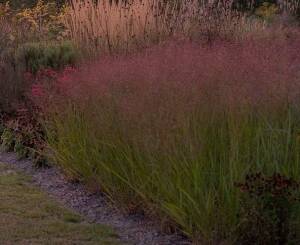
<point>29,216</point>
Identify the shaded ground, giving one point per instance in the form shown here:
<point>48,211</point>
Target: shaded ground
<point>28,216</point>
<point>94,207</point>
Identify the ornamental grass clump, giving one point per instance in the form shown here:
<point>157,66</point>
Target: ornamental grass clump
<point>172,140</point>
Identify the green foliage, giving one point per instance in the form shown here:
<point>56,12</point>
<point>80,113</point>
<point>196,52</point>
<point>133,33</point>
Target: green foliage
<point>24,136</point>
<point>20,149</point>
<point>10,141</point>
<point>7,140</point>
<point>20,144</point>
<point>37,56</point>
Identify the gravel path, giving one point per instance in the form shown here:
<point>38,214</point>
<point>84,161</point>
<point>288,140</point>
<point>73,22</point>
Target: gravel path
<point>133,229</point>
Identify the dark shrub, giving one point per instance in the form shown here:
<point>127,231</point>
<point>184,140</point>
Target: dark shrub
<point>269,209</point>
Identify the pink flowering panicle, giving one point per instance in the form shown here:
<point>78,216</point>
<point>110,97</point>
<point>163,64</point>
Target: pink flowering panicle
<point>164,84</point>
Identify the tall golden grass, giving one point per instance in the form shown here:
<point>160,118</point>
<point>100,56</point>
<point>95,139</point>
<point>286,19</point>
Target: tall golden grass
<point>107,26</point>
